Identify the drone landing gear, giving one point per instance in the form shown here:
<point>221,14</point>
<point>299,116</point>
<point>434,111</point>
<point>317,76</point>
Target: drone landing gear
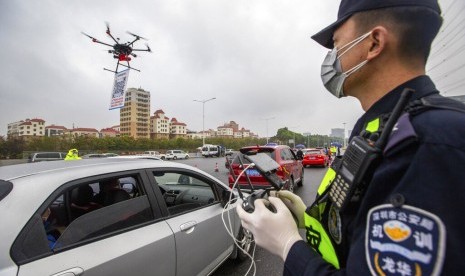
<point>118,64</point>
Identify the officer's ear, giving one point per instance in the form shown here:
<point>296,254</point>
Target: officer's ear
<point>377,40</point>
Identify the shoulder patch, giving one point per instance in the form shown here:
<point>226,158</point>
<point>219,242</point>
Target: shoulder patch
<point>404,241</point>
<point>401,131</point>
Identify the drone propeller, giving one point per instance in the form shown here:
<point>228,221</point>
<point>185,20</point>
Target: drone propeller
<point>109,33</point>
<point>137,36</point>
<point>88,36</point>
<point>95,40</point>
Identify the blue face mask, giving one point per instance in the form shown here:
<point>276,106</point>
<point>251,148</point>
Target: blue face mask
<point>331,71</point>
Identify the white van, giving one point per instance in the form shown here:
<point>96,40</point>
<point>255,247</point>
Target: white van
<point>210,150</point>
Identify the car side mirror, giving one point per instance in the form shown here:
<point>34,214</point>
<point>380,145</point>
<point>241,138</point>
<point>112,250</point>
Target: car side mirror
<point>225,195</point>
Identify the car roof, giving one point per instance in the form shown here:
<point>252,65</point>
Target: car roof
<point>270,148</point>
<point>11,172</point>
<point>140,156</point>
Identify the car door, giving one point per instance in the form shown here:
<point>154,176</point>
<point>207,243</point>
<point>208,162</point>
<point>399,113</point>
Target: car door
<point>296,166</point>
<point>193,211</point>
<point>122,237</point>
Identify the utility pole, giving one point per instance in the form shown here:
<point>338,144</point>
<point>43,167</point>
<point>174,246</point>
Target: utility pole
<point>267,119</point>
<point>203,117</point>
<point>344,136</point>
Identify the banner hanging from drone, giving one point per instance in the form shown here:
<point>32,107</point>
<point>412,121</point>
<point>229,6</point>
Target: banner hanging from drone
<point>119,86</point>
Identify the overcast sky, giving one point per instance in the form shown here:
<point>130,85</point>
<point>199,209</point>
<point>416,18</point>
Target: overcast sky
<point>255,56</point>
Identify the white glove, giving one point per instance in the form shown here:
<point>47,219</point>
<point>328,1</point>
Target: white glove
<point>295,205</point>
<point>276,232</point>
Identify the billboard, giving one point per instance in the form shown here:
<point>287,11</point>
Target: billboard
<point>119,86</point>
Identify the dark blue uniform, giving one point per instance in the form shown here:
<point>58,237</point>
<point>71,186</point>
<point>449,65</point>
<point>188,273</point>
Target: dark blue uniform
<point>410,219</point>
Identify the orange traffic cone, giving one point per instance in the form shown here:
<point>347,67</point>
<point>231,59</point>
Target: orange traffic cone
<point>216,168</point>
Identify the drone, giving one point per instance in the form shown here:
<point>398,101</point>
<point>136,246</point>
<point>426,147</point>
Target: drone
<point>121,51</point>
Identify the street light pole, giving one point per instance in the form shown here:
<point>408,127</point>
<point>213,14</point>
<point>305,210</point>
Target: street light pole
<point>344,136</point>
<point>203,117</point>
<point>267,119</point>
<point>294,127</point>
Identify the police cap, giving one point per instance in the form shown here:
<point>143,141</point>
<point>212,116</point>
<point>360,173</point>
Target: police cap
<point>349,7</point>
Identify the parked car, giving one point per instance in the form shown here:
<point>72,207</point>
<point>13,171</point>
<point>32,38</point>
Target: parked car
<point>114,216</point>
<point>176,154</point>
<point>228,152</point>
<point>94,155</point>
<point>155,153</point>
<point>291,170</point>
<point>315,157</point>
<point>47,156</point>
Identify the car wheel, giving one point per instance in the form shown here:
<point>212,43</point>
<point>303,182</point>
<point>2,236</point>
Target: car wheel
<point>174,158</point>
<point>187,156</point>
<point>291,185</point>
<point>246,243</point>
<point>301,182</point>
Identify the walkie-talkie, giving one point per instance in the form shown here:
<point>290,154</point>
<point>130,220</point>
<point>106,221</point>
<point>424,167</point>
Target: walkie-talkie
<point>361,157</point>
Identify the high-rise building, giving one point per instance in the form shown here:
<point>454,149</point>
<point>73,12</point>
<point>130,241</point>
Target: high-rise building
<point>135,115</point>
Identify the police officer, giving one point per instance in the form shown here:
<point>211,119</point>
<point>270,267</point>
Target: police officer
<point>72,154</point>
<point>407,219</point>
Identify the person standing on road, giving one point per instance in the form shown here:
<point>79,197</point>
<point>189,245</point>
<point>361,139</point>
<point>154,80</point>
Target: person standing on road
<point>300,154</point>
<point>73,154</point>
<point>406,218</point>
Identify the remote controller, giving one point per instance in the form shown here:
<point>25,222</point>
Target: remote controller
<point>249,202</point>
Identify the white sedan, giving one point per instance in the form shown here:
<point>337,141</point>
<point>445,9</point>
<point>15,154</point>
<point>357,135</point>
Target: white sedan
<point>114,217</point>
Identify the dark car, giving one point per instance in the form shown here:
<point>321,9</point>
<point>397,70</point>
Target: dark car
<point>290,170</point>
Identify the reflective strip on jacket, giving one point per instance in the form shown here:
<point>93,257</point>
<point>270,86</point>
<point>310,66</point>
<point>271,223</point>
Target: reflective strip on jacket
<point>317,234</point>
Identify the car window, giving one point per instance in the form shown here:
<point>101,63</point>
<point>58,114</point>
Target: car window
<point>267,151</point>
<point>285,154</point>
<point>85,211</point>
<point>184,192</point>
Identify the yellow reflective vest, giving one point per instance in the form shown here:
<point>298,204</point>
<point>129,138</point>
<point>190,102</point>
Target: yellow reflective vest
<point>317,235</point>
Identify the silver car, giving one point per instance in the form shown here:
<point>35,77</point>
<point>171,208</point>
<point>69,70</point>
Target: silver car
<point>114,217</point>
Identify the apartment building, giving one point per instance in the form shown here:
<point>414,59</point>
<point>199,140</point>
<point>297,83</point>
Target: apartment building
<point>108,132</point>
<point>135,115</point>
<point>223,131</point>
<point>26,128</point>
<point>159,125</point>
<point>54,130</point>
<point>82,131</point>
<point>177,129</point>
